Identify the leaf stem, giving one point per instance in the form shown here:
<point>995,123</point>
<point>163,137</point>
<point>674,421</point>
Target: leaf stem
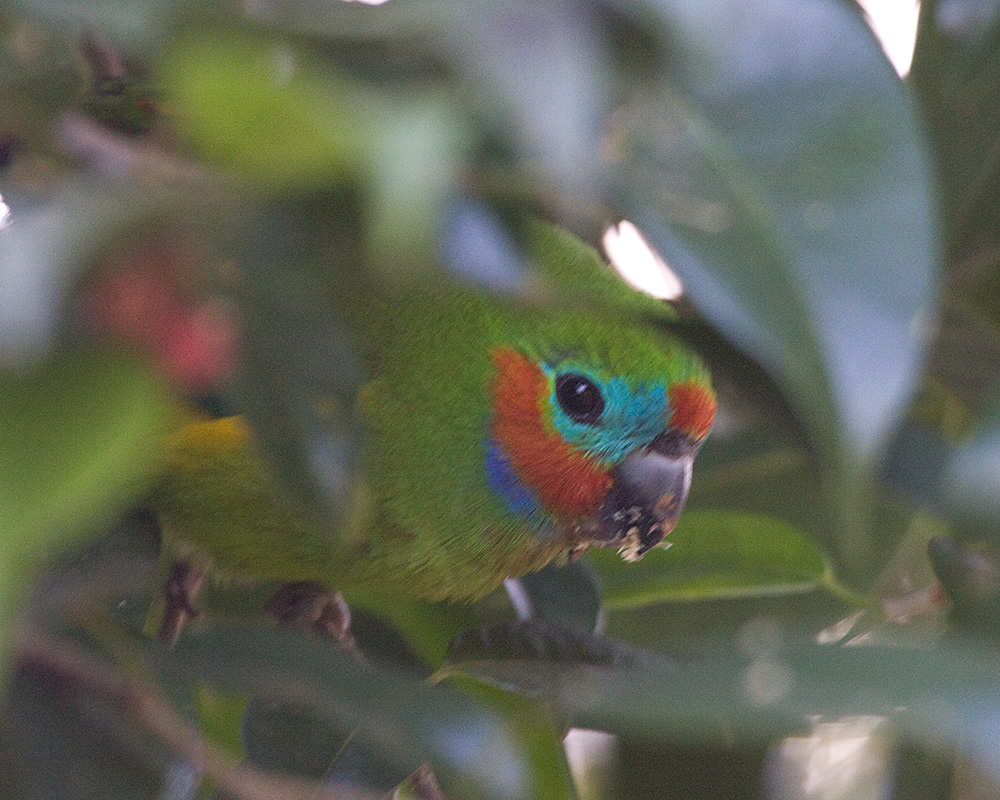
<point>832,584</point>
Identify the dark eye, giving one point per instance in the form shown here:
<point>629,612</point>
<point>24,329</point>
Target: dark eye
<point>579,398</point>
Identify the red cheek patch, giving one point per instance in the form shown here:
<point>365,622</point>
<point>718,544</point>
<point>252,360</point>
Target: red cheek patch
<point>694,409</point>
<point>566,482</point>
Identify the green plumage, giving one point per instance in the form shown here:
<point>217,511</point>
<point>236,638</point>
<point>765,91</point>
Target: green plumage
<point>431,526</point>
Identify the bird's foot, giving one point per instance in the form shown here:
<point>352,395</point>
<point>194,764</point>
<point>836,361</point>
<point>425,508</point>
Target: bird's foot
<point>179,593</point>
<point>316,610</point>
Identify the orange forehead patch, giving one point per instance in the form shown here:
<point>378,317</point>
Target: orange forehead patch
<point>694,409</point>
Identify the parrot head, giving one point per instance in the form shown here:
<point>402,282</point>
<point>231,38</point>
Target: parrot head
<point>597,445</point>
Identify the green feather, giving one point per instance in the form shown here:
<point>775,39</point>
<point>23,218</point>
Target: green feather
<point>580,275</point>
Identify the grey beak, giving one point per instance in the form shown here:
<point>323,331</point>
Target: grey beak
<point>648,494</point>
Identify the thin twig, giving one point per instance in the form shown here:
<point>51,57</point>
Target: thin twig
<point>150,710</point>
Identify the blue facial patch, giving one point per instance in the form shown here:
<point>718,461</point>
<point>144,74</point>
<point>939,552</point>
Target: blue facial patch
<point>633,415</point>
<point>501,479</point>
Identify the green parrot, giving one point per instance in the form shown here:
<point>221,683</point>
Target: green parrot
<point>499,435</point>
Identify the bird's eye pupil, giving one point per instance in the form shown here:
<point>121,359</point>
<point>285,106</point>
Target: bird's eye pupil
<point>579,398</point>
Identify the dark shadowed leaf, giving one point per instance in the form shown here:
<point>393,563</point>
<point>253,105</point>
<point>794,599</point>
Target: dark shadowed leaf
<point>298,374</point>
<point>69,743</point>
<point>405,722</point>
<point>534,656</point>
<point>568,595</point>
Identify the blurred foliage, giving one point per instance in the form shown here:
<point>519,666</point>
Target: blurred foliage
<point>191,186</point>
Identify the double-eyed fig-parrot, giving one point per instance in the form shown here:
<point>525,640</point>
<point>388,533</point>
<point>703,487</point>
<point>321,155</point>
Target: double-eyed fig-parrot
<point>499,434</point>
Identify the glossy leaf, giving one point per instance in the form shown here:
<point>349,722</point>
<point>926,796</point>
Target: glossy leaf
<point>715,554</point>
<point>786,184</point>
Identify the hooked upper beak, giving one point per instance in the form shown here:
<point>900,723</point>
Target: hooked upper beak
<point>647,494</point>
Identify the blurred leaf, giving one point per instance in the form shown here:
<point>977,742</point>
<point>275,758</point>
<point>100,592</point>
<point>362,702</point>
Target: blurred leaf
<point>417,154</point>
<point>428,628</point>
<point>764,686</point>
<point>953,76</point>
<point>290,739</point>
<point>477,249</point>
<point>78,437</point>
<point>971,478</point>
<point>954,72</point>
<point>539,736</point>
<point>715,554</point>
<point>298,375</point>
<point>137,26</point>
<point>542,68</point>
<point>219,715</point>
<point>786,184</point>
<point>752,470</point>
<point>971,581</point>
<point>73,743</point>
<point>405,722</point>
<point>536,76</point>
<point>264,109</point>
<point>116,570</point>
<point>938,695</point>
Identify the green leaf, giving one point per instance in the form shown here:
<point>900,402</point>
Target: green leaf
<point>955,71</point>
<point>78,437</point>
<point>787,186</point>
<point>297,375</point>
<point>263,109</point>
<point>715,554</point>
<point>288,738</point>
